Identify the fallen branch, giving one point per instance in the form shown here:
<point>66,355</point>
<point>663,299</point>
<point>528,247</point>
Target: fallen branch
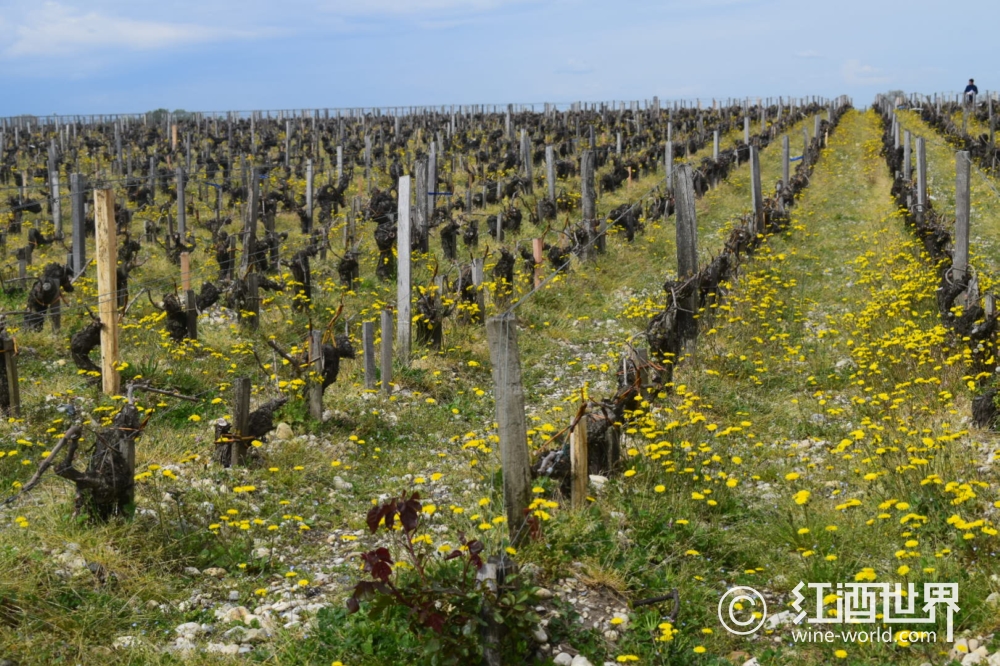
<point>172,394</point>
<point>71,434</point>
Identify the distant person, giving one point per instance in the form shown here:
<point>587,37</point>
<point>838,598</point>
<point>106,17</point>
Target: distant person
<point>971,91</point>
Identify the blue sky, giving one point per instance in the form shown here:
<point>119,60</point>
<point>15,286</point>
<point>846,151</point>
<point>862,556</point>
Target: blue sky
<point>106,56</point>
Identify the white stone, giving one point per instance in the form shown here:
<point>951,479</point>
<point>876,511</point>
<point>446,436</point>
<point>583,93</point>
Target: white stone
<point>222,648</point>
<point>124,642</point>
<point>563,659</point>
<point>752,661</point>
<point>340,484</point>
<point>189,629</point>
<point>215,572</point>
<point>234,595</point>
<point>539,635</point>
<point>977,656</point>
<point>238,614</point>
<point>283,432</point>
<point>580,660</point>
<point>598,481</point>
<point>182,644</point>
<point>543,593</point>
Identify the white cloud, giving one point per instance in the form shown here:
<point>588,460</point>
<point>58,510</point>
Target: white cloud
<point>414,7</point>
<point>57,30</point>
<point>855,73</point>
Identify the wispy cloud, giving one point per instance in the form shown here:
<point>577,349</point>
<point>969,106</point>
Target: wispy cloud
<point>856,73</point>
<point>415,7</point>
<point>53,29</point>
<point>809,55</point>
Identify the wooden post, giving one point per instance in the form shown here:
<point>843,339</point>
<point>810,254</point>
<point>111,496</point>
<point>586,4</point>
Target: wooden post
<point>816,126</point>
<point>107,289</point>
<point>490,631</point>
<point>421,220</point>
<point>288,142</point>
<point>431,192</point>
<point>668,162</point>
<point>56,203</point>
<point>309,196</point>
<point>960,256</point>
<point>756,195</point>
<point>501,333</point>
<point>316,358</point>
<point>181,212</point>
<point>252,320</point>
<point>785,161</point>
<point>250,222</point>
<point>13,387</point>
<point>550,171</point>
<point>579,468</point>
<point>189,298</point>
<point>746,129</point>
<point>76,186</point>
<point>478,270</point>
<point>340,162</point>
<point>368,351</point>
<point>687,247</point>
<point>403,286</point>
<point>538,256</point>
<point>715,144</point>
<point>907,172</point>
<point>241,421</point>
<point>386,350</point>
<point>588,195</point>
<point>921,175</point>
<point>152,179</point>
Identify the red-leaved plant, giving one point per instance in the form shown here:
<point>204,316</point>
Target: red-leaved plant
<point>423,594</point>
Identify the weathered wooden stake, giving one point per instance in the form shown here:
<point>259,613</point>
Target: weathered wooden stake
<point>368,351</point>
<point>403,285</point>
<point>785,161</point>
<point>13,387</point>
<point>578,464</point>
<point>76,186</point>
<point>309,196</point>
<point>538,256</point>
<point>907,171</point>
<point>588,194</point>
<point>501,333</point>
<point>668,162</point>
<point>252,318</point>
<point>241,421</point>
<point>386,350</point>
<point>550,171</point>
<point>107,288</point>
<point>921,175</point>
<point>687,248</point>
<point>181,211</point>
<point>960,255</point>
<point>189,298</point>
<point>756,195</point>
